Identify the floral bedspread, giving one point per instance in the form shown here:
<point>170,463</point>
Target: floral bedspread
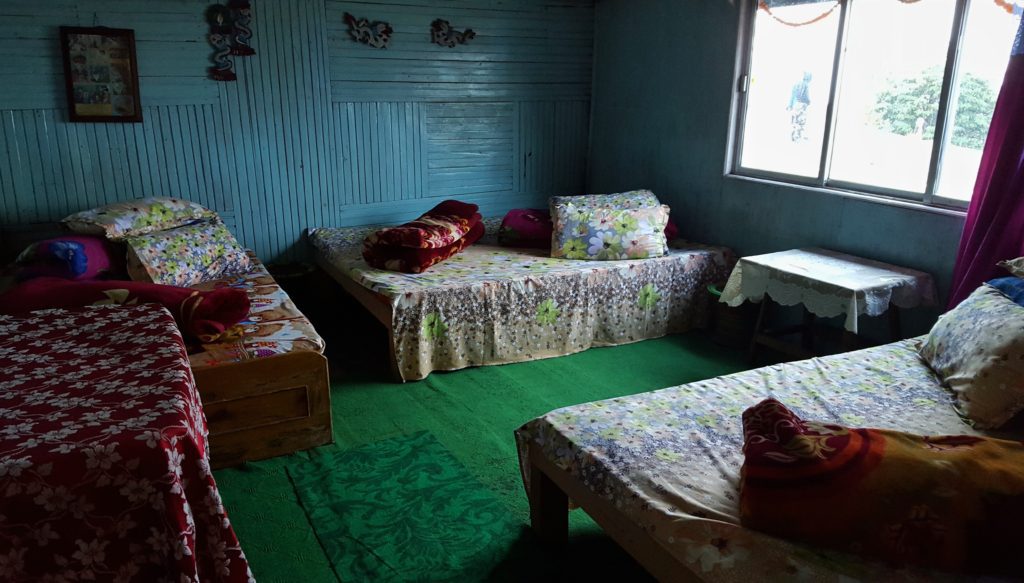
<point>274,325</point>
<point>104,473</point>
<point>496,305</point>
<point>670,459</point>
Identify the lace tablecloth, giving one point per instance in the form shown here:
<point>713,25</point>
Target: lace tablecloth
<point>828,283</point>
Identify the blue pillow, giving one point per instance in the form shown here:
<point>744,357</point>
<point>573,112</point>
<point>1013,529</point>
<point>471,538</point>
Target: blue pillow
<point>1011,287</point>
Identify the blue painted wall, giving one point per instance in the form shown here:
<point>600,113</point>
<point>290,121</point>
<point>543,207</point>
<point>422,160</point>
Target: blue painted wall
<point>318,130</point>
<point>663,83</point>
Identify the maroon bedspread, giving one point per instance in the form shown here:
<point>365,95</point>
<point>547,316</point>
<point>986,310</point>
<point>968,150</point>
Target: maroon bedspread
<point>104,472</point>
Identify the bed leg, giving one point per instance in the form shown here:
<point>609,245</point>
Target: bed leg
<point>549,509</point>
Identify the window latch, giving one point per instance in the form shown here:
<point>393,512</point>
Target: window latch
<point>743,83</point>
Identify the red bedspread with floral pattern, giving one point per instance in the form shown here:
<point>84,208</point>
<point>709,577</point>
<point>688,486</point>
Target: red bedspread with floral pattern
<point>104,472</point>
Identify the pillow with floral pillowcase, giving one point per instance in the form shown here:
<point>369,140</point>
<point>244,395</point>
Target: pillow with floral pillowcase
<point>1014,266</point>
<point>120,220</point>
<point>977,349</point>
<point>187,255</point>
<point>633,199</point>
<point>608,234</point>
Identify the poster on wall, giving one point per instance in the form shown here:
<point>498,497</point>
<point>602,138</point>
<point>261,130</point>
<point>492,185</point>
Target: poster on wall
<point>101,74</point>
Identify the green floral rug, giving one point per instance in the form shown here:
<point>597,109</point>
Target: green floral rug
<point>403,509</point>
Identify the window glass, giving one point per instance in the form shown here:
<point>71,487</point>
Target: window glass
<point>788,89</point>
<point>984,52</point>
<point>889,95</point>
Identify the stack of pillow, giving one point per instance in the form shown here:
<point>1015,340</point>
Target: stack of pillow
<point>169,241</point>
<point>164,244</point>
<point>597,227</point>
<point>441,232</point>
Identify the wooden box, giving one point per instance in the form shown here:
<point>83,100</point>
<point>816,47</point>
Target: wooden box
<point>266,407</point>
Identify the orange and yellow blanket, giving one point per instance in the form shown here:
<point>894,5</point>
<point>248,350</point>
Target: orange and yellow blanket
<point>952,502</point>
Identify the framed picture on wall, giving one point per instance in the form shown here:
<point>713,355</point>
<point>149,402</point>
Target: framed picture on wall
<point>101,74</point>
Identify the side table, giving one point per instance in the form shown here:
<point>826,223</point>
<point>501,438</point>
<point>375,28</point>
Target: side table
<point>827,284</point>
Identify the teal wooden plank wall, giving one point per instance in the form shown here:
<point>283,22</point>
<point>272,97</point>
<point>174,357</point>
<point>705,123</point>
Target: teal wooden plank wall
<point>318,130</point>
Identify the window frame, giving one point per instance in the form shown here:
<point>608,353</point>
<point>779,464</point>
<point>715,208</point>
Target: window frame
<point>930,198</point>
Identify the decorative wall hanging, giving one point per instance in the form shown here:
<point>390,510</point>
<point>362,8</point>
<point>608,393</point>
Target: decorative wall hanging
<point>221,33</point>
<point>101,74</point>
<point>376,34</point>
<point>241,16</point>
<point>442,34</point>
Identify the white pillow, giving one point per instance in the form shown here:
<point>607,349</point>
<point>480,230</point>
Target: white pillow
<point>977,349</point>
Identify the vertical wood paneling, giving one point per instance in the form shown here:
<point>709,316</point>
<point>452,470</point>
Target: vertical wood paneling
<point>469,148</point>
<point>318,130</point>
<point>501,121</point>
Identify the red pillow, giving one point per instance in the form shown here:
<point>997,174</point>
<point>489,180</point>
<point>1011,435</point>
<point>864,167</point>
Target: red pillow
<point>439,227</point>
<point>413,260</point>
<point>201,315</point>
<point>70,257</point>
<point>529,228</point>
<point>947,502</point>
<point>671,231</point>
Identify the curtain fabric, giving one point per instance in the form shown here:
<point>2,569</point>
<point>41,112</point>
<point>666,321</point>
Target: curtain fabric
<point>994,230</point>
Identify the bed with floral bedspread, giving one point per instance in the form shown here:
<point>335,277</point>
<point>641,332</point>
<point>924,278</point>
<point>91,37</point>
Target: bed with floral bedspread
<point>104,469</point>
<point>668,461</point>
<point>274,326</point>
<point>496,305</point>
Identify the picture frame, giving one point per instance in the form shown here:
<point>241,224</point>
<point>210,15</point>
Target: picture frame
<point>101,74</point>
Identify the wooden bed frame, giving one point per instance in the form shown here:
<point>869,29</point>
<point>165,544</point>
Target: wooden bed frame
<point>266,407</point>
<point>379,306</point>
<point>551,488</point>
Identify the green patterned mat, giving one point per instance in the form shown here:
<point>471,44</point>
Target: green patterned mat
<point>403,509</point>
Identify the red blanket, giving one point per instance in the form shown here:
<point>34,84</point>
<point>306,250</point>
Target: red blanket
<point>104,469</point>
<point>415,260</point>
<point>438,228</point>
<point>201,315</point>
<point>947,502</point>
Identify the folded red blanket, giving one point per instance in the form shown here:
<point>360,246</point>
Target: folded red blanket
<point>201,315</point>
<point>439,227</point>
<point>946,502</point>
<point>413,260</point>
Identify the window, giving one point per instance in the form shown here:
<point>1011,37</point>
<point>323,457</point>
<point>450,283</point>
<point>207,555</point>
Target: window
<point>885,97</point>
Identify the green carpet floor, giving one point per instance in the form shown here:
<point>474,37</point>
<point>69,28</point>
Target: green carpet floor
<point>403,509</point>
<point>472,413</point>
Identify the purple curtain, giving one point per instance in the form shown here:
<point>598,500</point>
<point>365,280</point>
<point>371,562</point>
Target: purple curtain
<point>995,220</point>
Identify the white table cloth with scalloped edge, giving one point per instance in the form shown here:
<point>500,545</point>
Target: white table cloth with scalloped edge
<point>828,283</point>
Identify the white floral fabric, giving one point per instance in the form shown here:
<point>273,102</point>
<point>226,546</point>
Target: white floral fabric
<point>828,283</point>
<point>670,460</point>
<point>608,233</point>
<point>633,199</point>
<point>496,305</point>
<point>186,256</point>
<point>977,348</point>
<point>1014,266</point>
<point>104,469</point>
<point>137,217</point>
